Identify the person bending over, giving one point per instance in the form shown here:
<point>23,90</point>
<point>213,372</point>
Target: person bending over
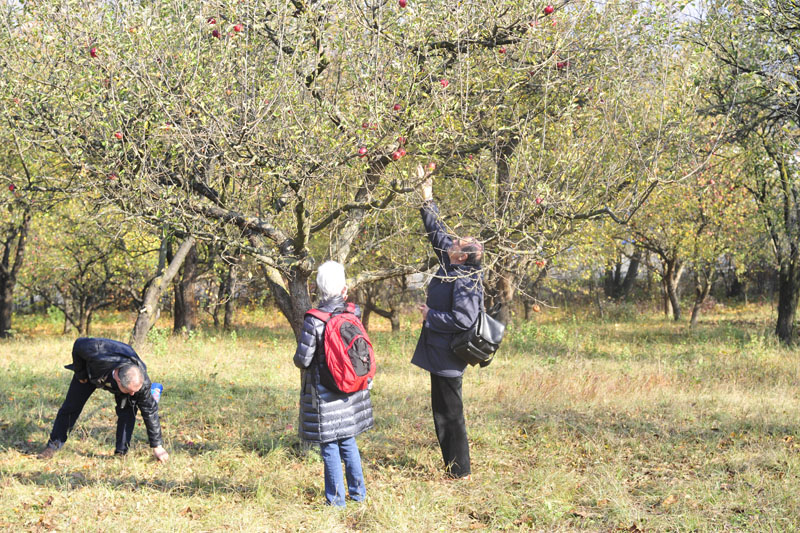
<point>115,367</point>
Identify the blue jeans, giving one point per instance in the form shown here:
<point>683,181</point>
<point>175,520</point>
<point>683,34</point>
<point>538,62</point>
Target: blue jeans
<point>332,455</point>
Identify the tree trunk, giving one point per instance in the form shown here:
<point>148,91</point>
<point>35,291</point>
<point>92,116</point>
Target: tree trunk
<point>230,297</point>
<point>9,269</point>
<point>291,294</point>
<point>89,320</point>
<point>599,303</point>
<point>148,314</point>
<point>185,310</point>
<point>391,315</point>
<point>630,276</point>
<point>81,320</point>
<point>702,290</point>
<point>218,304</point>
<point>504,290</point>
<point>666,299</point>
<point>788,292</point>
<point>366,313</point>
<point>6,306</point>
<point>672,277</point>
<point>610,279</point>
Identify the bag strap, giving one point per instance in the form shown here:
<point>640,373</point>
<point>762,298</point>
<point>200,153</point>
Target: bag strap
<point>322,315</point>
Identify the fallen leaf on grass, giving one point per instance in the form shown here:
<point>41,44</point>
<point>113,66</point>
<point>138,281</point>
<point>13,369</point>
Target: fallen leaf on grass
<point>187,512</point>
<point>583,513</point>
<point>524,519</point>
<point>669,500</point>
<point>603,502</point>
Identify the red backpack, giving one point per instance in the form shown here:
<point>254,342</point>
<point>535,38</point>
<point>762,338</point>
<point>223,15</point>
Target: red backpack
<point>348,351</point>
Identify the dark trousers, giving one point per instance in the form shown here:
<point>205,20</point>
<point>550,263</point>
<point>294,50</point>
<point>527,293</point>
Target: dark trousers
<point>77,395</point>
<point>451,430</point>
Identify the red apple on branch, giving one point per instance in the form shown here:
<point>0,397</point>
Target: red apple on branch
<point>362,151</point>
<point>93,51</point>
<point>216,34</point>
<point>444,83</point>
<point>211,20</point>
<point>402,3</point>
<point>548,9</point>
<point>397,107</point>
<point>396,155</point>
<point>237,28</point>
<point>118,134</point>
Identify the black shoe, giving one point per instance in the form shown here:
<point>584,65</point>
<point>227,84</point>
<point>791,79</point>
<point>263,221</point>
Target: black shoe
<point>48,452</point>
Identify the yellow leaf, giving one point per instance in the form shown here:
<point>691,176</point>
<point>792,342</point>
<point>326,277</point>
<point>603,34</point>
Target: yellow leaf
<point>669,500</point>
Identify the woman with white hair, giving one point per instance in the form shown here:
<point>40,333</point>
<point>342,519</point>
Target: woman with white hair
<point>327,416</point>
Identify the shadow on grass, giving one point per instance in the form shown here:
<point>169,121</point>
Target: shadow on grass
<point>673,429</point>
<point>198,486</point>
<point>271,442</point>
<point>191,406</point>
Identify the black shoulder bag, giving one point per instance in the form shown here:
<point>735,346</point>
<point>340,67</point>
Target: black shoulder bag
<point>477,345</point>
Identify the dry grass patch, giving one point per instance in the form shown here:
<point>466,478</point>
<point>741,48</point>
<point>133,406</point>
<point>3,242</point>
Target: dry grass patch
<point>579,425</point>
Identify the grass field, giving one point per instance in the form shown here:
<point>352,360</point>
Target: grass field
<point>628,424</point>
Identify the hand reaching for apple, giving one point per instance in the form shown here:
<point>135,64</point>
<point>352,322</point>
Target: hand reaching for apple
<point>426,182</point>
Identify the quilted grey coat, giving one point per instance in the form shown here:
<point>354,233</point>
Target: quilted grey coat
<point>326,415</point>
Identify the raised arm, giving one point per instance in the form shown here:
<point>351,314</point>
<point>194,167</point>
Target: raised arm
<point>439,238</point>
<point>437,234</point>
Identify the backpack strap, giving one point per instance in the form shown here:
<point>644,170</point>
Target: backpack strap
<point>351,307</point>
<point>322,315</point>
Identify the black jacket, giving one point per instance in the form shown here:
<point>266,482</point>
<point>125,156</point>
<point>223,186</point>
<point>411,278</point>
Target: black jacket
<point>326,415</point>
<point>95,358</point>
<point>455,299</point>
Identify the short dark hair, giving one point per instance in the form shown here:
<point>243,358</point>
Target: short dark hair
<point>129,373</point>
<point>474,250</point>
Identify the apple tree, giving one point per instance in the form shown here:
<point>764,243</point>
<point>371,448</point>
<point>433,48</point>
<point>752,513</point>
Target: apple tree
<point>755,83</point>
<point>80,262</point>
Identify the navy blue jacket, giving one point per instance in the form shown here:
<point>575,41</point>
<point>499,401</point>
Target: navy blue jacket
<point>455,298</point>
<point>326,415</point>
<point>95,358</point>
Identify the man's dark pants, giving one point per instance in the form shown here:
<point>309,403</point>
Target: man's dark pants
<point>451,429</point>
<point>77,395</point>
